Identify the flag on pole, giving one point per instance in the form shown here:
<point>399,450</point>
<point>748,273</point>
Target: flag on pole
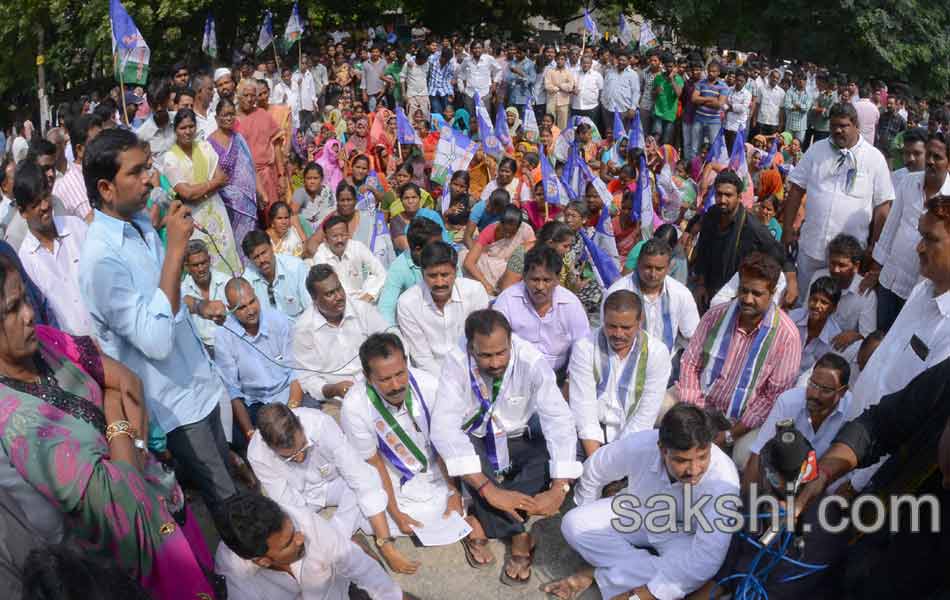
<point>501,129</point>
<point>405,134</point>
<point>618,126</point>
<point>605,269</point>
<point>766,162</point>
<point>129,50</point>
<point>552,186</point>
<point>647,37</point>
<point>266,36</point>
<point>591,25</point>
<point>573,175</point>
<point>738,162</point>
<point>486,132</point>
<point>625,33</point>
<point>636,139</point>
<point>643,198</point>
<point>719,156</point>
<point>209,43</point>
<point>530,124</point>
<point>454,153</point>
<point>294,30</point>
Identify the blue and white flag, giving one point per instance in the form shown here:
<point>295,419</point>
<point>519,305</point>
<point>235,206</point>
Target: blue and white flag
<point>553,190</point>
<point>486,133</point>
<point>619,130</point>
<point>573,175</point>
<point>294,29</point>
<point>209,42</point>
<point>636,139</point>
<point>501,128</point>
<point>266,36</point>
<point>129,49</point>
<point>453,153</point>
<point>625,33</point>
<point>738,160</point>
<point>405,134</point>
<point>605,269</point>
<point>590,25</point>
<point>647,37</point>
<point>643,198</point>
<point>530,125</point>
<point>768,159</point>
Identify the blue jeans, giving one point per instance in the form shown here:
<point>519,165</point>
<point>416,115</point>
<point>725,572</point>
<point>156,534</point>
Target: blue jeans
<point>704,132</point>
<point>689,143</point>
<point>437,104</point>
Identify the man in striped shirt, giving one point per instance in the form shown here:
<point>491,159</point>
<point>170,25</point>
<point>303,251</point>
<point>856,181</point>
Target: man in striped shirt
<point>742,356</point>
<point>70,188</point>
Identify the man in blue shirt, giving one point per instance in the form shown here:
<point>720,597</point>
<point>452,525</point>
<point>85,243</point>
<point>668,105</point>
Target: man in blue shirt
<point>254,355</point>
<point>405,272</point>
<point>279,280</point>
<point>132,287</point>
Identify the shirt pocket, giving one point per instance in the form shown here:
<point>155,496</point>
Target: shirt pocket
<point>862,186</point>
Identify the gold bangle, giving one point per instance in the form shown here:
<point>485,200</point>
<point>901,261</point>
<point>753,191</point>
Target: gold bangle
<point>116,426</point>
<point>115,434</point>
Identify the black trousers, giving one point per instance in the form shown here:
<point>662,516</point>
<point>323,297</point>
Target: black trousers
<point>201,451</point>
<point>528,474</point>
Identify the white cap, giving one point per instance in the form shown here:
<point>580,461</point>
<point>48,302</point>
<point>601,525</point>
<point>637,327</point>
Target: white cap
<point>219,73</point>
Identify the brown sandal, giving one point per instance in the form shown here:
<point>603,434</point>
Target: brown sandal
<point>470,556</point>
<point>524,561</point>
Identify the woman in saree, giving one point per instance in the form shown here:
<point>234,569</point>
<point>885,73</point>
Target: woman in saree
<point>383,129</point>
<point>329,159</point>
<point>517,188</point>
<point>285,232</point>
<point>514,122</point>
<point>391,201</point>
<point>580,278</point>
<point>539,211</point>
<point>279,112</point>
<point>191,167</point>
<point>264,138</point>
<point>358,141</point>
<point>364,226</point>
<point>487,260</point>
<point>71,422</point>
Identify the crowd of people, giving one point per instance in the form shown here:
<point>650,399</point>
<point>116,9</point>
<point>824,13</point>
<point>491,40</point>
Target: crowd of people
<point>251,281</point>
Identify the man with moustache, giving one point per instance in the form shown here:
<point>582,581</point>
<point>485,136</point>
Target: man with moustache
<point>542,312</point>
<point>261,374</point>
<point>618,374</point>
<point>328,334</point>
<point>360,272</point>
<point>274,552</point>
<point>157,130</point>
<point>431,314</point>
<point>489,392</point>
<point>669,309</point>
<point>405,272</point>
<point>281,279</point>
<point>202,290</point>
<point>743,355</point>
<point>644,564</point>
<point>387,418</point>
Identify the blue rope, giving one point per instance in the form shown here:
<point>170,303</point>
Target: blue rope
<point>751,584</point>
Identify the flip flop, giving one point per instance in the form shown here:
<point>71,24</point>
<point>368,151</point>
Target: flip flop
<point>470,556</point>
<point>519,560</point>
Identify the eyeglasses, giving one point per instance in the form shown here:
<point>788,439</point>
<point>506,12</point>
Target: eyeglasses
<point>824,390</point>
<point>270,296</point>
<point>303,450</point>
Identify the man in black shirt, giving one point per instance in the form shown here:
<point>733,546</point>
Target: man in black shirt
<point>728,232</point>
<point>907,425</point>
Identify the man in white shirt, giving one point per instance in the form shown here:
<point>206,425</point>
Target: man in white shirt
<point>868,114</point>
<point>669,309</point>
<point>621,91</point>
<point>848,184</point>
<point>414,82</point>
<point>625,556</point>
<point>305,92</point>
<point>856,313</point>
<point>157,130</point>
<point>618,375</point>
<point>770,99</point>
<point>818,411</point>
<point>51,248</point>
<point>586,96</point>
<point>273,552</point>
<point>431,314</point>
<point>896,268</point>
<point>328,334</point>
<point>360,272</point>
<point>387,418</point>
<point>738,106</point>
<point>202,290</point>
<point>204,115</point>
<point>489,391</point>
<point>478,73</point>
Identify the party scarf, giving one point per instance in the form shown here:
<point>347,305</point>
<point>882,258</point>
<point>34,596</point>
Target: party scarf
<point>668,334</point>
<point>716,350</point>
<point>485,412</point>
<point>412,459</point>
<point>636,363</point>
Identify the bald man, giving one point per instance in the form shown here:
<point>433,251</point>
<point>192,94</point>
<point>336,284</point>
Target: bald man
<point>253,350</point>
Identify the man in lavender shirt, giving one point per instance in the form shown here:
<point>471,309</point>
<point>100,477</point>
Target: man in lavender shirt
<point>543,313</point>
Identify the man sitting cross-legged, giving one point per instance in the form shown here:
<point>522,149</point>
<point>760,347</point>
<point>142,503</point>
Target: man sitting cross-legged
<point>628,556</point>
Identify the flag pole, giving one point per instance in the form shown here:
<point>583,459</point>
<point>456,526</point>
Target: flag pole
<point>125,112</point>
<point>273,44</point>
<point>299,51</point>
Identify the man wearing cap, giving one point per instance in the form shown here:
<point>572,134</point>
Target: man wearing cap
<point>224,86</point>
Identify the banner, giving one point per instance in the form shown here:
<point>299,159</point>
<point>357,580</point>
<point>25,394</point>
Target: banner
<point>486,133</point>
<point>454,153</point>
<point>209,42</point>
<point>266,36</point>
<point>647,38</point>
<point>625,33</point>
<point>294,30</point>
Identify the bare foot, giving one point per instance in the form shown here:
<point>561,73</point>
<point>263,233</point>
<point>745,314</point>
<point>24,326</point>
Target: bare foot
<point>571,587</point>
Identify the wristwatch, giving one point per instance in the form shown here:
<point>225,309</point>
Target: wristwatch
<point>380,542</point>
<point>729,439</point>
<point>565,487</point>
<point>633,597</point>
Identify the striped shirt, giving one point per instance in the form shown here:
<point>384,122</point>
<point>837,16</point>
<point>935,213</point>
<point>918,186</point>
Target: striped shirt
<point>71,189</point>
<point>440,78</point>
<point>777,374</point>
<point>796,117</point>
<point>708,115</point>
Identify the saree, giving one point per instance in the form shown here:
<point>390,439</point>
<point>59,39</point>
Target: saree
<point>210,213</point>
<point>240,194</point>
<point>328,157</point>
<point>494,258</point>
<point>53,432</point>
<point>281,115</point>
<point>259,129</point>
